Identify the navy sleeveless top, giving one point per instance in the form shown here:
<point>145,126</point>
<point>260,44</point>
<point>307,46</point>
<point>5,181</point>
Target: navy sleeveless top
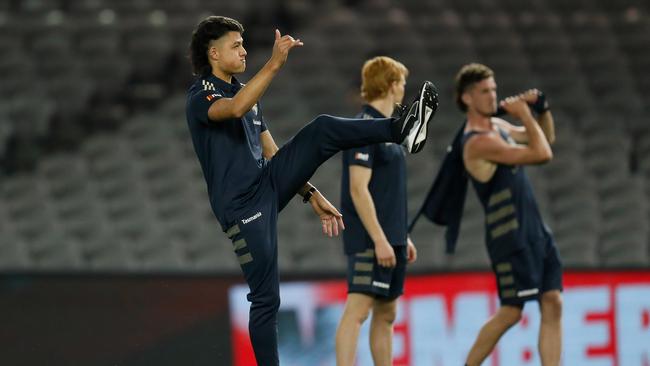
<point>512,218</point>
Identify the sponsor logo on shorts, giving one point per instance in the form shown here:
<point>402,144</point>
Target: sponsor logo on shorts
<point>524,293</point>
<point>381,285</point>
<point>361,156</point>
<point>252,218</point>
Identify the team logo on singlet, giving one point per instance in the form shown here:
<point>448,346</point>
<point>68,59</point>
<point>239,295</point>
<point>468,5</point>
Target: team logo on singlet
<point>207,85</point>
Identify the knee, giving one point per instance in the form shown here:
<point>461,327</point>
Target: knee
<point>358,314</point>
<point>510,315</point>
<point>386,315</point>
<point>318,124</point>
<point>361,315</point>
<point>552,306</point>
<point>320,119</point>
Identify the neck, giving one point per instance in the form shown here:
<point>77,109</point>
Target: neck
<point>385,106</point>
<point>478,121</point>
<point>222,75</point>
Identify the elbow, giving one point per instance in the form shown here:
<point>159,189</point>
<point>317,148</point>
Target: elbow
<point>238,112</point>
<point>540,156</point>
<point>269,153</point>
<point>546,156</point>
<point>238,109</point>
<point>226,108</point>
<point>356,191</point>
<point>551,140</point>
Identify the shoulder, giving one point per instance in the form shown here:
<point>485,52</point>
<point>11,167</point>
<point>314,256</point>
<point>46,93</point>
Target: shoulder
<point>367,149</point>
<point>481,142</point>
<point>363,115</point>
<point>363,155</point>
<point>203,91</point>
<point>472,136</point>
<point>207,85</point>
<point>204,86</point>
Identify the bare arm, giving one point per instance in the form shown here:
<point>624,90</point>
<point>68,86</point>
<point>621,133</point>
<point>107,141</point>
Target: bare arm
<point>245,99</point>
<point>545,118</point>
<point>269,148</point>
<point>547,123</point>
<point>365,207</point>
<point>363,202</point>
<point>493,148</point>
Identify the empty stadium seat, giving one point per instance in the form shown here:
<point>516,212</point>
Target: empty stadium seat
<point>135,199</point>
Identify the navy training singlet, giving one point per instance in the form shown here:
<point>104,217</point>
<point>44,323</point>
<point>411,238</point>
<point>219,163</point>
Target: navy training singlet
<point>512,218</point>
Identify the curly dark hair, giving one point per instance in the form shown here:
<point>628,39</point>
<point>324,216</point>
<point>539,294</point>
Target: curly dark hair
<point>210,28</point>
<point>469,75</point>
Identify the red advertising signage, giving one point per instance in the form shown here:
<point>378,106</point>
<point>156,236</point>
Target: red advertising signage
<point>606,320</point>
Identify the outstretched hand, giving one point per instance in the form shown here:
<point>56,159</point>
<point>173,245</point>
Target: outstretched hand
<point>331,219</point>
<point>281,48</point>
